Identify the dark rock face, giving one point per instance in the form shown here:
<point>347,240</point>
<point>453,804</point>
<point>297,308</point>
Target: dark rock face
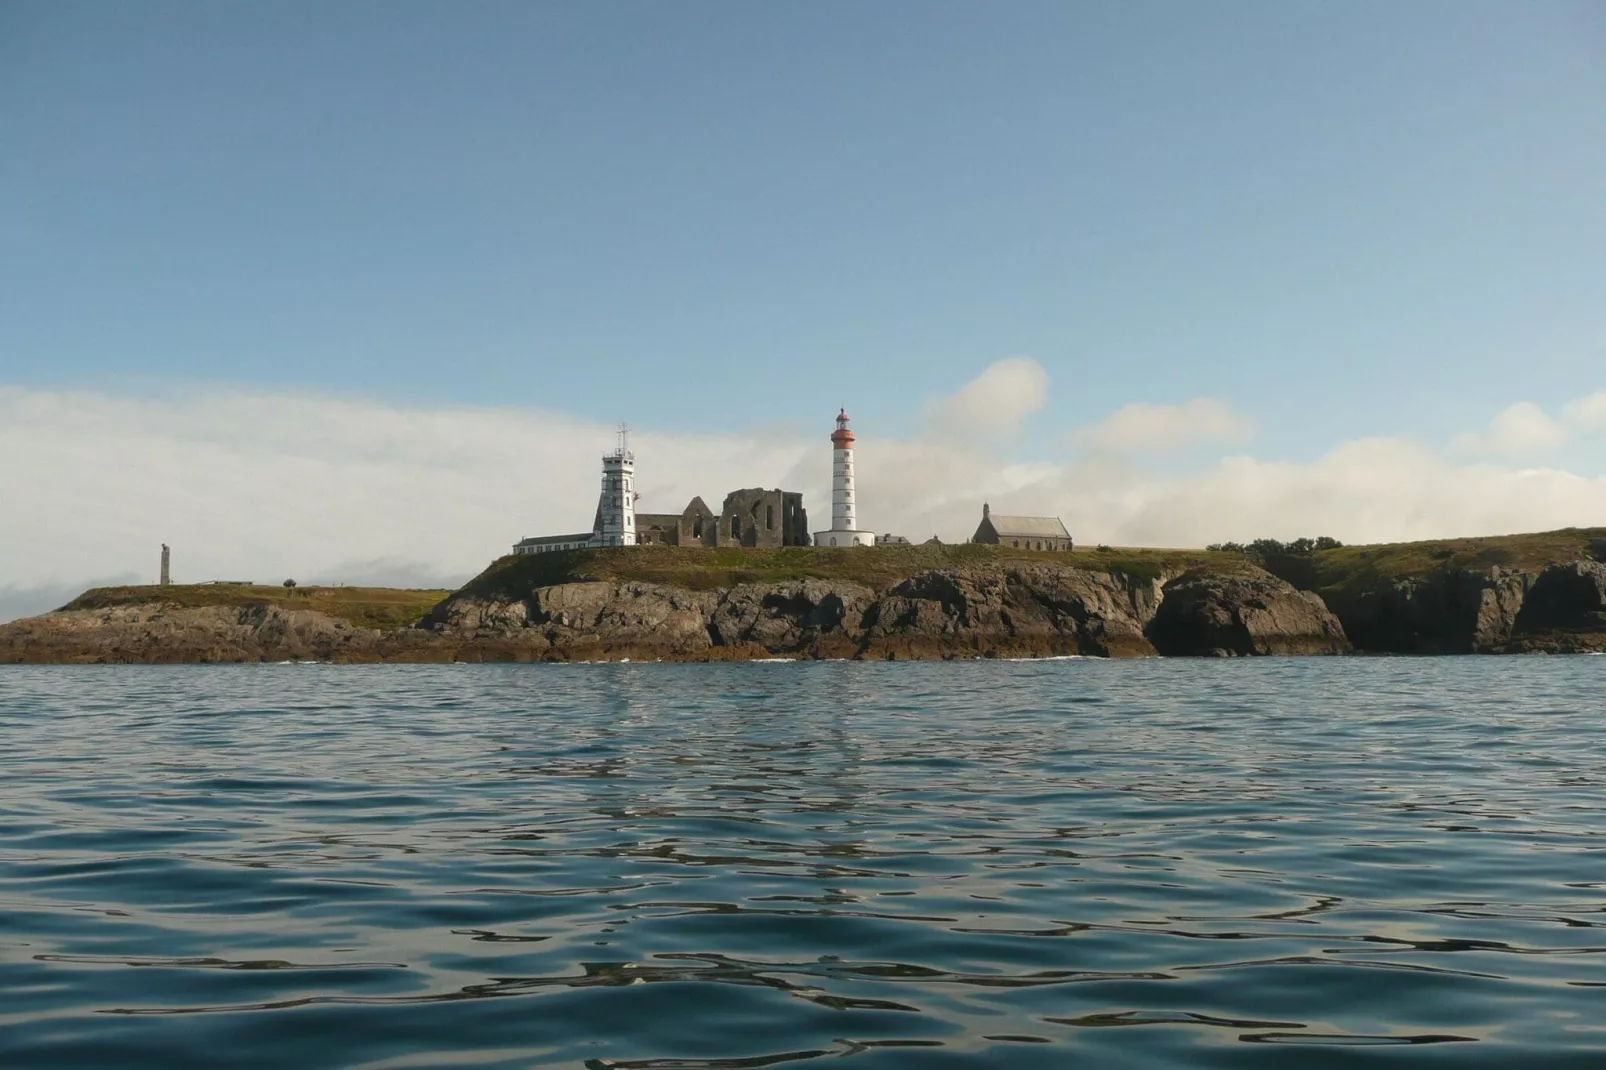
<point>789,618</point>
<point>1565,610</point>
<point>1016,612</point>
<point>577,621</point>
<point>995,611</point>
<point>986,612</point>
<point>1450,612</point>
<point>1204,614</point>
<point>1569,597</point>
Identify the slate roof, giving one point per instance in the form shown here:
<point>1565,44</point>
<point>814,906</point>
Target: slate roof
<point>1033,527</point>
<point>538,540</point>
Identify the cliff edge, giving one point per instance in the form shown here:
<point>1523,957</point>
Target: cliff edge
<point>1500,595</point>
<point>697,605</point>
<point>1543,592</point>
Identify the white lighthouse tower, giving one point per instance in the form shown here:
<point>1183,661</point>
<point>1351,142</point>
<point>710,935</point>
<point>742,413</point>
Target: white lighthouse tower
<point>616,508</point>
<point>844,508</point>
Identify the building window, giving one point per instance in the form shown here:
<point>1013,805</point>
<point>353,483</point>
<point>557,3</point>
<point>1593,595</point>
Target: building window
<point>833,540</point>
<point>697,528</point>
<point>1015,543</point>
<point>769,518</point>
<point>736,527</point>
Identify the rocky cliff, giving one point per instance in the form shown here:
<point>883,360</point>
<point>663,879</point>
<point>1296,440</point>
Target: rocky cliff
<point>1502,595</point>
<point>1252,612</point>
<point>1038,610</point>
<point>1520,593</point>
<point>169,634</point>
<point>1001,610</point>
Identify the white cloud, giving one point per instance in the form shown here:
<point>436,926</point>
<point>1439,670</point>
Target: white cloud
<point>1526,430</point>
<point>322,490</point>
<point>1586,414</point>
<point>1367,490</point>
<point>1519,430</point>
<point>995,402</point>
<point>1144,428</point>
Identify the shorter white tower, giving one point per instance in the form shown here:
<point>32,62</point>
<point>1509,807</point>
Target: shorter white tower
<point>844,509</point>
<point>616,508</point>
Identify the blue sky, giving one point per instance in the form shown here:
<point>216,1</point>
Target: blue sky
<point>1348,219</point>
<point>1176,272</point>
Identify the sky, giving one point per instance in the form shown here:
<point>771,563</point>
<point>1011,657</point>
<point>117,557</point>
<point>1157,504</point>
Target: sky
<point>357,292</point>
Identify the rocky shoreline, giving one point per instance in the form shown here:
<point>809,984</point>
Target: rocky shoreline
<point>1031,608</point>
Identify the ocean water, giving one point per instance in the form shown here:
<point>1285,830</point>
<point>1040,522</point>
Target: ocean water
<point>1260,863</point>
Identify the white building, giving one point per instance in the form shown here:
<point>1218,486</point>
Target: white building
<point>547,544</point>
<point>844,509</point>
<point>616,508</point>
<point>615,521</point>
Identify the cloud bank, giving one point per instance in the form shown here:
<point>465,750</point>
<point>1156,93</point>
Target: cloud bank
<point>267,487</point>
<point>996,402</point>
<point>1526,430</point>
<point>1142,428</point>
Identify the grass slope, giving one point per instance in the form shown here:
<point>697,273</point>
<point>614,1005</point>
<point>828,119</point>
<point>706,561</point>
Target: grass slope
<point>1355,568</point>
<point>382,608</point>
<point>702,568</point>
<point>1348,568</point>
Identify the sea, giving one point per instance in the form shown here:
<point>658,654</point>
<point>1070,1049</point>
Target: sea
<point>1281,862</point>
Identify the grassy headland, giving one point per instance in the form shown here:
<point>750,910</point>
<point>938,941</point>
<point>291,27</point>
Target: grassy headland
<point>1339,571</point>
<point>703,568</point>
<point>1349,569</point>
<point>382,608</point>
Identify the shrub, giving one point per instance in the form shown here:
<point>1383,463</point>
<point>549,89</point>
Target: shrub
<point>1264,548</point>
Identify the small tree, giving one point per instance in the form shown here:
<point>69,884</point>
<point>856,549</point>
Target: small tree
<point>1266,547</point>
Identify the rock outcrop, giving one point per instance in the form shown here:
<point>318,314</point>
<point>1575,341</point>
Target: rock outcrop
<point>1023,611</point>
<point>1465,611</point>
<point>164,634</point>
<point>1205,614</point>
<point>1564,611</point>
<point>1003,608</point>
<point>1012,612</point>
<point>1448,612</point>
<point>822,619</point>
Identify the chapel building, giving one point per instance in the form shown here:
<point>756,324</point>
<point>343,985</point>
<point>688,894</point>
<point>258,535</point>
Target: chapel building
<point>1022,532</point>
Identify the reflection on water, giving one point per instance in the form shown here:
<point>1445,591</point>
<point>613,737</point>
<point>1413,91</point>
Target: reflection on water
<point>1283,863</point>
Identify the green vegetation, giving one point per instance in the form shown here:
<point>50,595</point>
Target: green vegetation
<point>1356,568</point>
<point>1269,547</point>
<point>383,608</point>
<point>702,568</point>
<point>1319,566</point>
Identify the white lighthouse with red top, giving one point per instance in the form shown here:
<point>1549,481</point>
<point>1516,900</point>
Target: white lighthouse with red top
<point>844,509</point>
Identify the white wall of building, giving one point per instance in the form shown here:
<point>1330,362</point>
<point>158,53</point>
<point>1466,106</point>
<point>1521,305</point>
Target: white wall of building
<point>844,506</point>
<point>618,502</point>
<point>844,538</point>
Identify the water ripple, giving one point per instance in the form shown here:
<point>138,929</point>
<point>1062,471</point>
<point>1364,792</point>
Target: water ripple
<point>1141,864</point>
